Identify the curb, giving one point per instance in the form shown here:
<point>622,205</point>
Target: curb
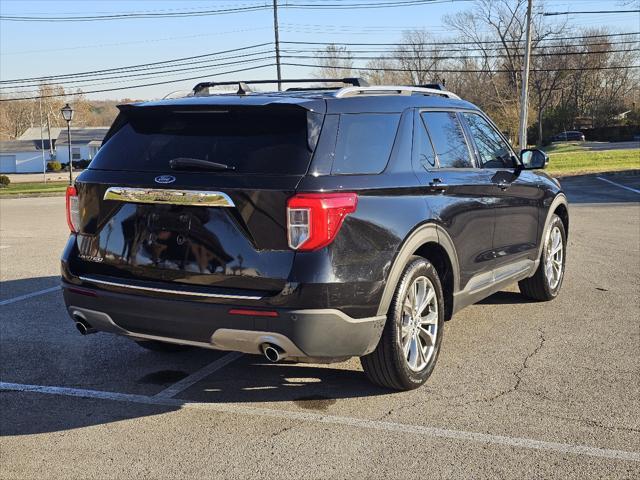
<point>32,195</point>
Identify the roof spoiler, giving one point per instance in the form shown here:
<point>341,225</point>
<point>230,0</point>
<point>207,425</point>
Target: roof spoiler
<point>243,86</point>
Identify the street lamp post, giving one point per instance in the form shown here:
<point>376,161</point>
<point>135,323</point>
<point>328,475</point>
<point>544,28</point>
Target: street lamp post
<point>67,114</point>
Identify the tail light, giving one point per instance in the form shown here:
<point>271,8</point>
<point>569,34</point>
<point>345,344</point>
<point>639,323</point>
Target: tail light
<point>314,219</point>
<point>73,209</point>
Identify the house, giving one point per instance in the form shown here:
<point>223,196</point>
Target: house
<point>85,143</point>
<point>22,156</point>
<point>42,136</point>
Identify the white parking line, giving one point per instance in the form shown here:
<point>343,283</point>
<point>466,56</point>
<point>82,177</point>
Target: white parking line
<point>431,432</point>
<point>634,190</point>
<point>29,295</point>
<point>195,377</point>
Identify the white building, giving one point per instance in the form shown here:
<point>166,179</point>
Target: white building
<point>85,143</point>
<point>22,156</point>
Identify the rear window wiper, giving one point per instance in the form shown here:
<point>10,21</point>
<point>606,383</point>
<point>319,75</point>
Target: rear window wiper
<point>184,163</point>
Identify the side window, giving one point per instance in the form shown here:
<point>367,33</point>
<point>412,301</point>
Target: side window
<point>364,142</point>
<point>494,152</point>
<point>448,139</point>
<point>423,150</point>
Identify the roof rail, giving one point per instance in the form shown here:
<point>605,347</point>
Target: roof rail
<point>389,90</point>
<point>243,85</point>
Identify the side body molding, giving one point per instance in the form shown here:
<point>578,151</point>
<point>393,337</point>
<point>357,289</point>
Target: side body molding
<point>426,233</point>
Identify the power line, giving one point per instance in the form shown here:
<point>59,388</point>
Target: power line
<point>117,81</point>
<point>154,73</point>
<point>457,70</point>
<point>454,57</point>
<point>134,42</point>
<point>463,50</point>
<point>137,86</point>
<point>368,5</point>
<point>91,72</point>
<point>487,42</point>
<point>549,14</point>
<point>225,11</point>
<point>129,16</point>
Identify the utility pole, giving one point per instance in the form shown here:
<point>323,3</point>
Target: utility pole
<point>275,30</point>
<point>44,163</point>
<point>524,101</point>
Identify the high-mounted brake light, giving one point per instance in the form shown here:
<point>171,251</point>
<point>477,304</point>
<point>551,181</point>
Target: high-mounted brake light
<point>73,209</point>
<point>314,219</point>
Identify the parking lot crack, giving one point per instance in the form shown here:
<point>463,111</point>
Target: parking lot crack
<point>519,373</point>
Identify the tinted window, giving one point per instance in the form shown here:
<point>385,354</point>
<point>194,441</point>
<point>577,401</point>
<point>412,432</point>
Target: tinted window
<point>422,149</point>
<point>364,142</point>
<point>492,149</point>
<point>252,141</point>
<point>448,139</point>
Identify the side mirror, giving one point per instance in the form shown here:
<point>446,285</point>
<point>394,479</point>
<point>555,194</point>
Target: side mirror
<point>533,159</point>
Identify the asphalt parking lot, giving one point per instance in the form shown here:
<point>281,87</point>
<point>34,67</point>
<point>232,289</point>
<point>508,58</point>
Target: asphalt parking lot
<point>521,389</point>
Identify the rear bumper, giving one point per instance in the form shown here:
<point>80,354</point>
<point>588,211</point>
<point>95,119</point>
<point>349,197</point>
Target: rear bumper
<point>301,333</point>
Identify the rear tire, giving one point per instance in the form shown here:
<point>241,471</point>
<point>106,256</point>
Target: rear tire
<point>410,342</point>
<point>546,282</point>
<point>162,347</point>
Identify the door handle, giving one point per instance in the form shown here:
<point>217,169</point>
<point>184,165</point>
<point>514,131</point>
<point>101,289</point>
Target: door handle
<point>437,185</point>
<point>503,184</point>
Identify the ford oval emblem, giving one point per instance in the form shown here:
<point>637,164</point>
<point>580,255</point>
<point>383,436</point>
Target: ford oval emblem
<point>165,179</point>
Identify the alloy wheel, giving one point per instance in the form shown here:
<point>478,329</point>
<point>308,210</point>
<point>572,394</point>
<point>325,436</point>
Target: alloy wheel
<point>554,258</point>
<point>419,323</point>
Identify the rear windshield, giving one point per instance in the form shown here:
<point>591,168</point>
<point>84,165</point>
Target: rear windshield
<point>258,141</point>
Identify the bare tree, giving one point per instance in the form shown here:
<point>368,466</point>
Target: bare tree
<point>418,55</point>
<point>334,61</point>
<point>496,29</point>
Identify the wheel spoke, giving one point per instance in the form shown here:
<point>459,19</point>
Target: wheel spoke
<point>405,330</point>
<point>405,347</point>
<point>411,297</point>
<point>420,295</point>
<point>427,336</point>
<point>548,270</point>
<point>407,307</point>
<point>413,352</point>
<point>430,319</point>
<point>422,358</point>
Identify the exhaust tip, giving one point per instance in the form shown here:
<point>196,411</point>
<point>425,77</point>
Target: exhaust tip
<point>273,353</point>
<point>82,325</point>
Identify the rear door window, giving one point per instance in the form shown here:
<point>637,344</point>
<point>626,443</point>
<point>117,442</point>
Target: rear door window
<point>364,142</point>
<point>254,141</point>
<point>448,139</point>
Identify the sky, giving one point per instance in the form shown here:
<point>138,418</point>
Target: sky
<point>34,49</point>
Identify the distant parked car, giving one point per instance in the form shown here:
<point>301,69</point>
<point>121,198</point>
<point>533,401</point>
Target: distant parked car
<point>572,136</point>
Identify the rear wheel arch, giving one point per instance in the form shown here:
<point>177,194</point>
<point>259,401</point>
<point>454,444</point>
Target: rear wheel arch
<point>432,242</point>
<point>437,255</point>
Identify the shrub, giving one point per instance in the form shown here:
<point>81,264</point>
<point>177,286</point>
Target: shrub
<point>54,166</point>
<point>81,164</point>
<point>4,181</point>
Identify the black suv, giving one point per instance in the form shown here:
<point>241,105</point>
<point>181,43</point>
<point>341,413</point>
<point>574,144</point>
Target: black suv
<point>312,224</point>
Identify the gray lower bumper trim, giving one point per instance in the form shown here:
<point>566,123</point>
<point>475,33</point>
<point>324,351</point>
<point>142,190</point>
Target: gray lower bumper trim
<point>310,334</point>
